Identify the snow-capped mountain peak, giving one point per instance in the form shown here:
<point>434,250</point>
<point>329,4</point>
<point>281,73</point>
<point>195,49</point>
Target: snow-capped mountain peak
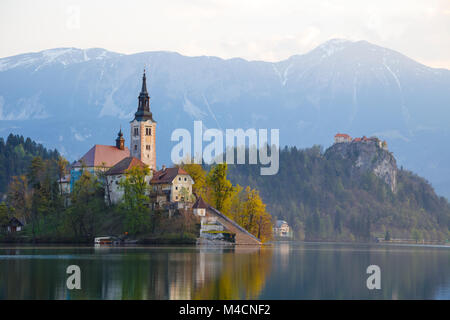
<point>332,46</point>
<point>63,56</point>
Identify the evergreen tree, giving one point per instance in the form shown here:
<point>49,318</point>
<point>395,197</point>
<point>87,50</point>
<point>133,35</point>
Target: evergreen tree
<point>4,216</point>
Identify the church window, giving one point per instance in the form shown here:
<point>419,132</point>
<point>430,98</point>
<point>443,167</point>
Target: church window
<point>135,147</point>
<point>136,131</point>
<point>148,147</point>
<point>148,131</point>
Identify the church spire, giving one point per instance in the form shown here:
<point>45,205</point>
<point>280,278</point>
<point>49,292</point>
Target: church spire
<point>144,84</point>
<point>143,112</point>
<point>143,129</point>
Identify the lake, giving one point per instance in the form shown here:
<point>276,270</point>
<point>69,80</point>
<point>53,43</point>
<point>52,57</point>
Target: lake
<point>280,271</point>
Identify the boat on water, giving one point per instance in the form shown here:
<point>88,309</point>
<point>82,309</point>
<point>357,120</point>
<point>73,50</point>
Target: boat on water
<point>107,241</point>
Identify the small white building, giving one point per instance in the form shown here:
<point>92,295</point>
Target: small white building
<point>64,185</point>
<point>199,207</point>
<point>113,192</point>
<point>282,229</point>
<point>14,225</point>
<point>342,137</point>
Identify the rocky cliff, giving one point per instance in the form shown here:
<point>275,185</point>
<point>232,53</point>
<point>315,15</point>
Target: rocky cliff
<point>367,156</point>
<point>345,194</point>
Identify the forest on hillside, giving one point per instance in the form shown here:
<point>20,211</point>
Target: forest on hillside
<point>16,154</point>
<point>321,200</point>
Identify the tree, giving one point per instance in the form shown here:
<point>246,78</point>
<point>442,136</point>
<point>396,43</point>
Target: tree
<point>416,235</point>
<point>16,155</point>
<point>136,200</point>
<point>84,215</point>
<point>44,201</point>
<point>185,196</point>
<point>19,197</point>
<point>62,165</point>
<point>237,204</point>
<point>338,222</point>
<point>265,227</point>
<point>100,172</point>
<point>221,187</point>
<point>4,216</point>
<point>254,216</point>
<point>198,174</point>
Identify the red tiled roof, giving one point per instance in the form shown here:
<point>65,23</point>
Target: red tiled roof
<point>343,135</point>
<point>125,164</point>
<point>167,175</point>
<point>98,154</point>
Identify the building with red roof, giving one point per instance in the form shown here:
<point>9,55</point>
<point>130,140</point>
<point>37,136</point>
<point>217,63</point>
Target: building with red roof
<point>172,185</point>
<point>342,137</point>
<point>99,158</point>
<point>102,156</point>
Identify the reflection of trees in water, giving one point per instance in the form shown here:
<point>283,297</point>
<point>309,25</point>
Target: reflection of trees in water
<point>242,275</point>
<point>211,273</point>
<point>162,273</point>
<point>42,275</point>
<point>302,272</point>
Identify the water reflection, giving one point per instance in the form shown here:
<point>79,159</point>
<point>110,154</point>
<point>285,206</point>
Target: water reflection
<point>134,273</point>
<point>243,276</point>
<point>282,271</point>
<point>334,271</point>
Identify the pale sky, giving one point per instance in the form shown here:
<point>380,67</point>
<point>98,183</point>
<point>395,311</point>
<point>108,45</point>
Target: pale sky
<point>269,30</point>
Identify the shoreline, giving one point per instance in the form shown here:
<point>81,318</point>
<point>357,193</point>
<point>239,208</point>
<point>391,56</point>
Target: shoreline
<point>142,243</point>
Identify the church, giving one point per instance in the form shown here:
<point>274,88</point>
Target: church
<point>169,188</point>
<point>115,160</point>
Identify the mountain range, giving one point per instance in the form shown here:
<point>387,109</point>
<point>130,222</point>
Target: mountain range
<point>70,99</point>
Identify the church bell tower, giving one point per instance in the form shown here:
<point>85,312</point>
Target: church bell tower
<point>143,127</point>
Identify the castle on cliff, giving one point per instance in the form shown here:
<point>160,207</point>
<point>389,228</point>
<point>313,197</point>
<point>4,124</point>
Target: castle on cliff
<point>345,138</point>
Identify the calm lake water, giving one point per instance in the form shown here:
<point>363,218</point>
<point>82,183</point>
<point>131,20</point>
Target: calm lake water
<point>281,271</point>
